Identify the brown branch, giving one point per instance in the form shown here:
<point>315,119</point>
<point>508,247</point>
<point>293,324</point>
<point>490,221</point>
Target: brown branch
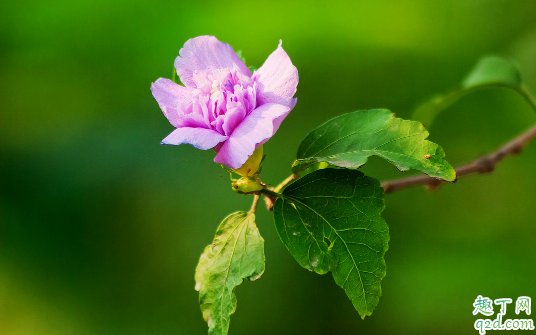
<point>270,197</point>
<point>480,165</point>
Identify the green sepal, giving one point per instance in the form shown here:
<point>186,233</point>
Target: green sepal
<point>176,79</point>
<point>239,54</point>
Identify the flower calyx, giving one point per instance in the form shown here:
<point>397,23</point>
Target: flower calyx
<point>247,184</point>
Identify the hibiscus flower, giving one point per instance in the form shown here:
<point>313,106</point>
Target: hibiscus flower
<point>222,105</point>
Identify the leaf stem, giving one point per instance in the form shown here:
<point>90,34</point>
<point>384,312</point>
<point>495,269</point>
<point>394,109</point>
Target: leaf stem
<point>256,198</point>
<point>285,182</point>
<point>270,193</point>
<point>526,94</point>
<point>483,164</point>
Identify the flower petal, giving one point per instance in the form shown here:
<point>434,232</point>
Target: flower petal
<point>277,79</point>
<point>171,97</point>
<point>200,138</point>
<point>257,128</point>
<point>206,53</point>
<point>232,119</point>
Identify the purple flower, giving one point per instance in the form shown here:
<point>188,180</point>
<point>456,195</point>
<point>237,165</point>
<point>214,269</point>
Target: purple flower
<point>223,105</point>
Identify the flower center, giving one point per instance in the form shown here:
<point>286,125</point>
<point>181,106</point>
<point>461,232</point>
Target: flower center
<point>222,99</point>
<point>215,91</point>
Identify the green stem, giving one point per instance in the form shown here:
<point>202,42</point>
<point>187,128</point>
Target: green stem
<point>256,198</point>
<point>270,193</point>
<point>526,94</point>
<point>285,182</point>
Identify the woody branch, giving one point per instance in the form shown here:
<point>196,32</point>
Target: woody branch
<point>483,164</point>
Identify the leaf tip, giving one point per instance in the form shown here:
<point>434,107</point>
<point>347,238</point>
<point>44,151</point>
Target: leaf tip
<point>452,176</point>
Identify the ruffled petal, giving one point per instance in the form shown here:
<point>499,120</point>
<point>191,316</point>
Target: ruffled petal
<point>277,79</point>
<point>172,99</point>
<point>257,128</point>
<point>200,138</point>
<point>232,118</point>
<point>206,53</point>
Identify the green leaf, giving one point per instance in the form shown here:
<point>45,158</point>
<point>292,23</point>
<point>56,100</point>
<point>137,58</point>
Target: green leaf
<point>237,252</point>
<point>313,166</point>
<point>493,70</point>
<point>349,139</point>
<point>490,71</point>
<point>330,220</point>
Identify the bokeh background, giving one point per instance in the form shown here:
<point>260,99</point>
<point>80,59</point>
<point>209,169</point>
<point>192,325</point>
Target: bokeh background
<point>101,227</point>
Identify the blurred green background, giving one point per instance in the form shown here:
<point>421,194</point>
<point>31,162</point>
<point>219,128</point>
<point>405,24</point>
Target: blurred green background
<point>101,227</point>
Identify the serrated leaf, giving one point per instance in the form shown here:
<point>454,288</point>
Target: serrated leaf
<point>349,139</point>
<point>237,252</point>
<point>330,220</point>
<point>490,71</point>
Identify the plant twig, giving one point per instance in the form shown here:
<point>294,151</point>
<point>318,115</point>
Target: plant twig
<point>270,197</point>
<point>271,194</point>
<point>483,164</point>
<point>256,198</point>
<point>285,182</point>
<point>526,94</point>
